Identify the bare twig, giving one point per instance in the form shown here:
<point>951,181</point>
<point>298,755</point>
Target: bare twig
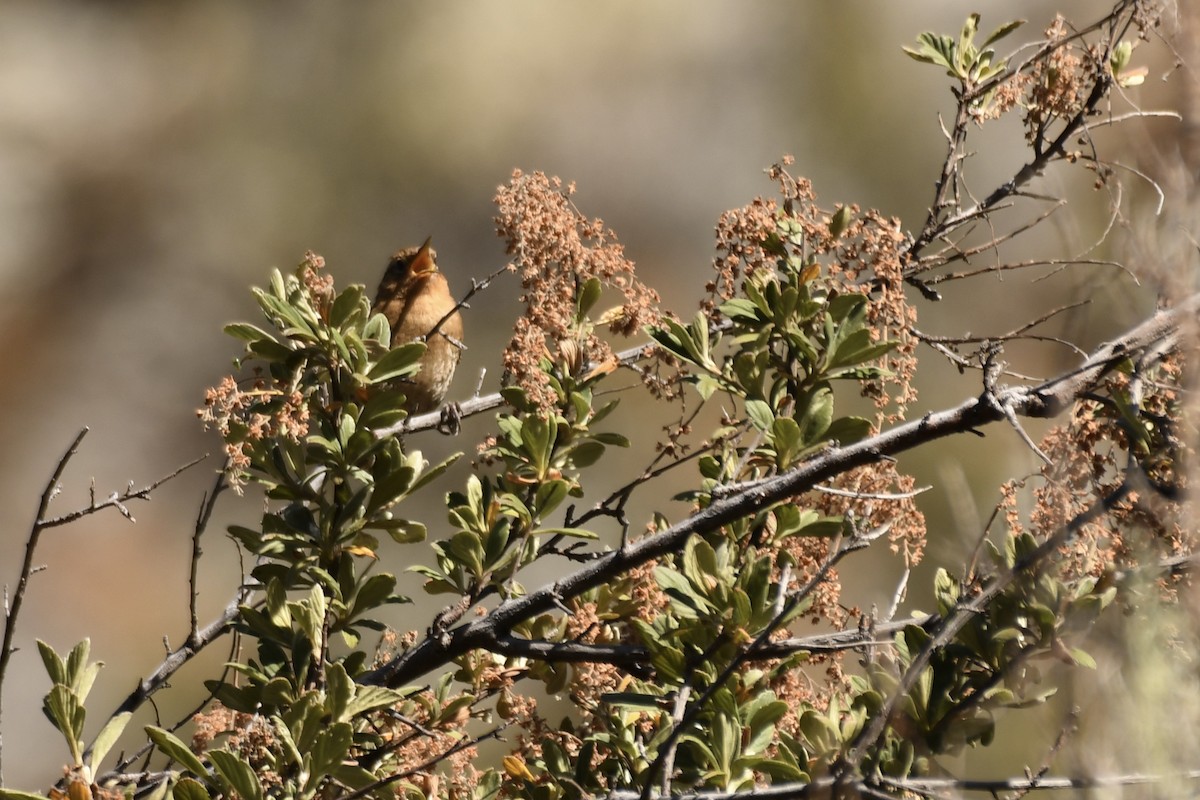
<point>872,495</point>
<point>476,287</point>
<point>207,504</point>
<point>41,522</point>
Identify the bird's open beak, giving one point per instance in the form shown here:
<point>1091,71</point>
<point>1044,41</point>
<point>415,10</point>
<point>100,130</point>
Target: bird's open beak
<point>423,263</point>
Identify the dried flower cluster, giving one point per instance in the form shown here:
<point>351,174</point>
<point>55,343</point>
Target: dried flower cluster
<point>244,417</point>
<point>319,286</point>
<point>857,251</point>
<point>248,735</point>
<point>557,250</point>
<point>1058,85</point>
<point>1089,456</point>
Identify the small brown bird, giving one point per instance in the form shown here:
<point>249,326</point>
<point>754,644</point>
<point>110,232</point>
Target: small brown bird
<point>418,305</point>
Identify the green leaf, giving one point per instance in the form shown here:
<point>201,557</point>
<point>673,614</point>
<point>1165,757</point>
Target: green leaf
<point>1082,658</point>
<point>760,414</point>
<point>680,589</point>
<point>537,438</point>
<point>576,533</point>
<point>935,49</point>
<point>173,748</point>
<point>945,590</point>
<point>345,304</point>
<point>848,430</point>
<point>15,794</point>
<point>277,603</point>
<point>788,441</point>
<point>369,698</point>
<point>402,531</point>
<point>398,362</point>
<point>108,736</point>
<point>374,592</point>
<point>247,332</point>
<point>589,293</point>
<point>740,309</point>
<point>271,350</point>
<point>81,674</point>
<point>68,715</point>
<point>549,496</point>
<point>390,488</point>
<point>857,349</point>
<point>377,329</point>
<point>338,691</point>
<point>356,777</point>
<point>839,221</point>
<point>466,549</point>
<point>781,770</point>
<point>817,415</point>
<point>1002,31</point>
<point>384,407</point>
<point>429,474</point>
<point>628,700</point>
<point>585,454</point>
<point>189,789</point>
<point>237,774</point>
<point>689,343</point>
<point>329,750</point>
<point>823,527</point>
<point>56,668</point>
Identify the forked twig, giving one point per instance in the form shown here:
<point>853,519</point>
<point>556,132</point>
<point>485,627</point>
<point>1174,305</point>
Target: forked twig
<point>41,522</point>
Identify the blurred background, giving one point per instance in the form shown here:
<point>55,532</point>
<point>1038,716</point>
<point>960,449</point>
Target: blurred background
<point>157,160</point>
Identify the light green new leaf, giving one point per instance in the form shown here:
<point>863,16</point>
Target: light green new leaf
<point>108,736</point>
<point>173,748</point>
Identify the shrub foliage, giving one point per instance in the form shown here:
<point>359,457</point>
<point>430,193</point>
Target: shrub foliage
<point>675,637</point>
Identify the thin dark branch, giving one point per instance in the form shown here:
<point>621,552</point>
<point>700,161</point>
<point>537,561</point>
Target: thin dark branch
<point>118,500</point>
<point>1013,334</point>
<point>13,608</point>
<point>177,658</point>
<point>41,522</point>
<point>207,504</point>
<point>476,287</point>
<point>146,750</point>
<point>934,280</point>
<point>955,252</point>
<point>632,657</point>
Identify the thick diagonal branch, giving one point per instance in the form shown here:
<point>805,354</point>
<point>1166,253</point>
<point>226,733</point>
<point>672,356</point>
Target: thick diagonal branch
<point>1165,330</point>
